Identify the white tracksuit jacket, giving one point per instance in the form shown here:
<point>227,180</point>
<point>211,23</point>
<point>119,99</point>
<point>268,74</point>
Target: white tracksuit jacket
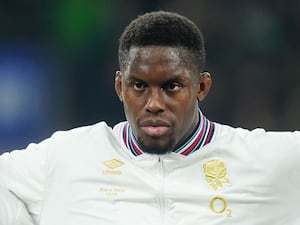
<point>87,176</point>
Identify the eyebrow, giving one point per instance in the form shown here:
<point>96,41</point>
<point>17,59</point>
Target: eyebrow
<point>176,78</point>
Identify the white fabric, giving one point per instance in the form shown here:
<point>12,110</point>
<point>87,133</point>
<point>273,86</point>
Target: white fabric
<point>87,176</point>
<point>12,210</point>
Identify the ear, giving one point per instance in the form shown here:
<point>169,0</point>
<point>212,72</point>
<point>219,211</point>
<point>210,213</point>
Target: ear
<point>204,84</point>
<point>118,85</point>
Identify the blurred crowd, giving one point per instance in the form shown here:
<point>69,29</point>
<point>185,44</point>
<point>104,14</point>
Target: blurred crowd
<point>58,59</point>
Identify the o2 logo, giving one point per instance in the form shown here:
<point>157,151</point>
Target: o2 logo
<point>218,204</point>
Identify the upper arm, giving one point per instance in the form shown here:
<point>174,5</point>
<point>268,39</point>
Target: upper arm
<point>23,172</point>
<point>13,210</point>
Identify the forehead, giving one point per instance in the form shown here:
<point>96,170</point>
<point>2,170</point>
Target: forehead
<point>157,59</point>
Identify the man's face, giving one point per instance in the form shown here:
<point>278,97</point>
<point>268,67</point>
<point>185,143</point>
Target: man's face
<point>159,91</point>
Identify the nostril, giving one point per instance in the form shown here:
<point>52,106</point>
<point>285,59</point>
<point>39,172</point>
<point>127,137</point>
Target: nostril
<point>155,105</point>
<point>154,111</point>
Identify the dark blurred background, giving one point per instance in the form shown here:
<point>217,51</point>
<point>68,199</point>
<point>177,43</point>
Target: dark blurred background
<point>58,59</point>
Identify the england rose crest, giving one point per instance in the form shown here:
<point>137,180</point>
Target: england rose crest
<point>215,173</point>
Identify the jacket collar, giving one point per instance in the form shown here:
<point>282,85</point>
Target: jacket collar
<point>202,135</point>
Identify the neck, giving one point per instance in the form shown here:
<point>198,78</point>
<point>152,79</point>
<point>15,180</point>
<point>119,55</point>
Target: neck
<point>202,135</point>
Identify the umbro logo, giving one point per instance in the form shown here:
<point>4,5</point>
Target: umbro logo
<point>113,163</point>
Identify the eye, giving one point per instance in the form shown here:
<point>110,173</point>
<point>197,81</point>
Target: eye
<point>173,86</point>
<point>139,86</point>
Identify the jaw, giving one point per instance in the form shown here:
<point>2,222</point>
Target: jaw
<point>156,145</point>
<point>155,141</point>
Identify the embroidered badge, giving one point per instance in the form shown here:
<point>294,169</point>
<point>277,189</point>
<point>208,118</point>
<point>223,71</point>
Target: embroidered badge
<point>215,173</point>
<point>113,163</point>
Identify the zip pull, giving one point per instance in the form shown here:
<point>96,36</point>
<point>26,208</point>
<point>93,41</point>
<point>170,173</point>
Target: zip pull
<point>160,158</point>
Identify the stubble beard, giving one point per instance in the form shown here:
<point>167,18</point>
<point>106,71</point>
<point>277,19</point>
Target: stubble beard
<point>158,149</point>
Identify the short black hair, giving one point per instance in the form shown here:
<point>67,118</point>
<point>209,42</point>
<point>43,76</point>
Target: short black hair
<point>162,28</point>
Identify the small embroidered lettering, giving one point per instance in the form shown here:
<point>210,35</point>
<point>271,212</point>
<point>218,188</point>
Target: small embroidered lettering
<point>111,192</point>
<point>111,172</point>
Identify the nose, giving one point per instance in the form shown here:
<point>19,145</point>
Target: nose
<point>155,102</point>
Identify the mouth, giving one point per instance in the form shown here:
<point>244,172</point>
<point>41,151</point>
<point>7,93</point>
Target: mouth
<point>155,128</point>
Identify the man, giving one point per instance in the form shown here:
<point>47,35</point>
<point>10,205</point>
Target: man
<point>167,164</point>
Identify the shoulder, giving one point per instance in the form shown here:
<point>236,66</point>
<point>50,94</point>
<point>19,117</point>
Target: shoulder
<point>82,131</point>
<point>258,136</point>
<point>81,134</point>
<point>222,130</point>
<point>75,144</point>
<point>69,139</point>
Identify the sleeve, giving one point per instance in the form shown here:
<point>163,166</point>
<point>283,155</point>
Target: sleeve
<point>12,210</point>
<point>23,172</point>
<point>297,134</point>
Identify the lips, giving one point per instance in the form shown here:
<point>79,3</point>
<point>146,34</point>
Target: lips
<point>155,128</point>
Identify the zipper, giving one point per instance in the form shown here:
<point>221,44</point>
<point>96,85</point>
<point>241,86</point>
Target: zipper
<point>161,190</point>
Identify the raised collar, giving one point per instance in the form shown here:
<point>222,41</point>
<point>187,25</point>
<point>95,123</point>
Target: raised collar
<point>201,136</point>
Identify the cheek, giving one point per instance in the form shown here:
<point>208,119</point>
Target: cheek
<point>131,103</point>
<point>185,100</point>
<point>186,109</point>
<point>185,116</point>
<point>129,112</point>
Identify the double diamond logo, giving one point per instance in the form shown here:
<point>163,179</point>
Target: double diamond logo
<point>113,163</point>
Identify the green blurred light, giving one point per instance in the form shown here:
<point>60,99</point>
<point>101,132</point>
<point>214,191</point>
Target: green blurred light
<point>78,20</point>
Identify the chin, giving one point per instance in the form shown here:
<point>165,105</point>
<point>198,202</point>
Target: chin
<point>157,151</point>
<point>156,148</point>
